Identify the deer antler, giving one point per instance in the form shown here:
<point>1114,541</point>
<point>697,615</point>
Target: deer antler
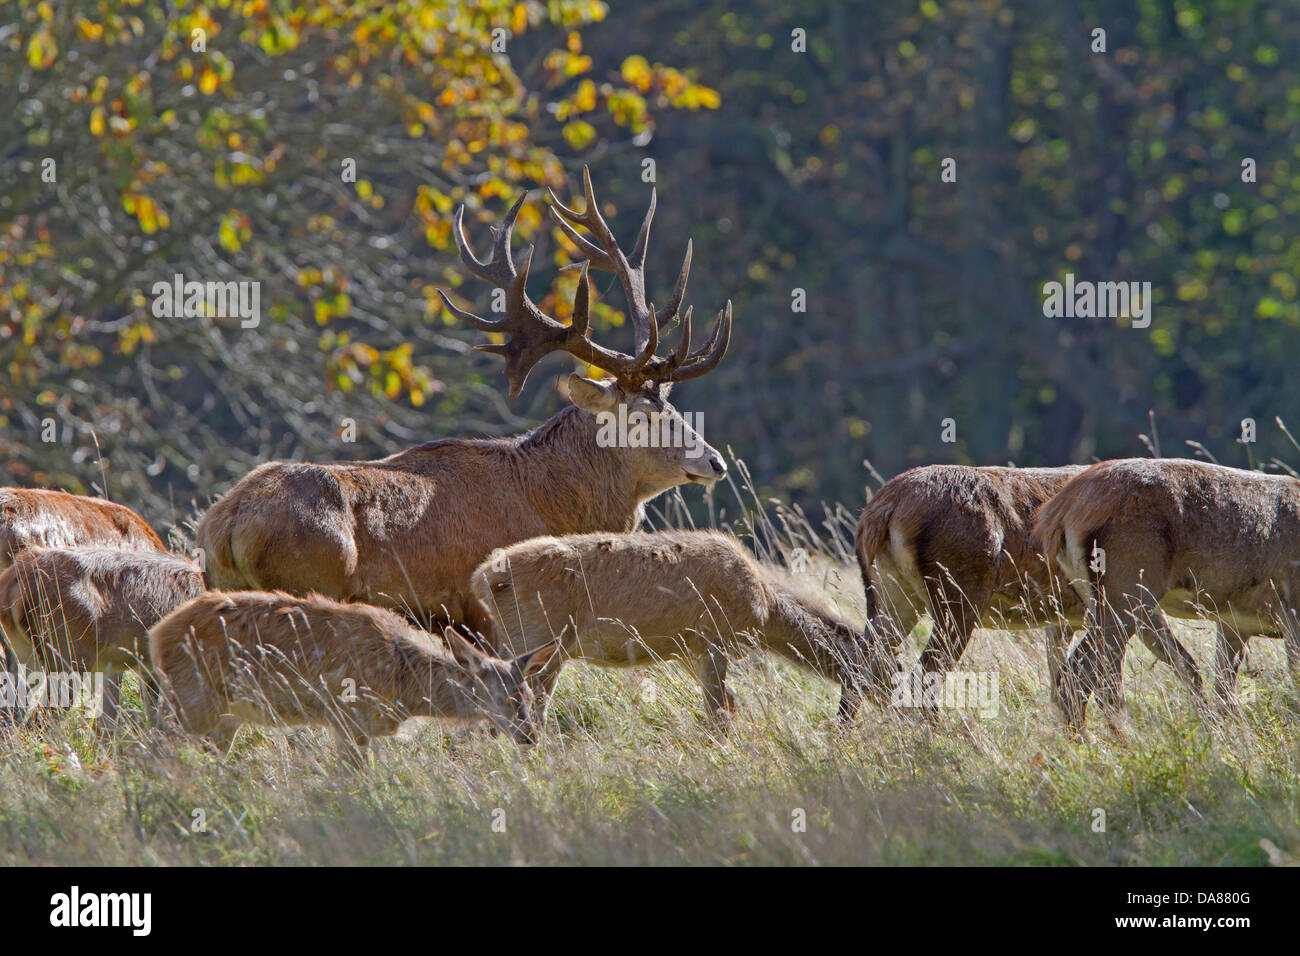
<point>532,333</point>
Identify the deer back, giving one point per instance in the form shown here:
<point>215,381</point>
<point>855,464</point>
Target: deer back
<point>37,518</point>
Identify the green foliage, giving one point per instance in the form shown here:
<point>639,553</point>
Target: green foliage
<point>821,171</point>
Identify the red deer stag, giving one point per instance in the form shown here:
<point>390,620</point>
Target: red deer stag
<point>36,518</point>
<point>407,531</point>
<point>1178,537</point>
<point>953,541</point>
<point>626,599</point>
<point>88,610</point>
<point>272,658</point>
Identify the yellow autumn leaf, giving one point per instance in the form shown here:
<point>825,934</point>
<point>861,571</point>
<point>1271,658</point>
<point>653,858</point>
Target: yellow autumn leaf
<point>636,72</point>
<point>41,49</point>
<point>579,134</point>
<point>229,235</point>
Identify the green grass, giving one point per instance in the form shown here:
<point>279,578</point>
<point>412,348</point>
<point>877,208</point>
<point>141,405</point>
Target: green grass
<point>628,774</point>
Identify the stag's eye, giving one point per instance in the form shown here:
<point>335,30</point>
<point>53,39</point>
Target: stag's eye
<point>499,586</point>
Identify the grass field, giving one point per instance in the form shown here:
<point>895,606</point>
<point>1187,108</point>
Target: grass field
<point>629,774</point>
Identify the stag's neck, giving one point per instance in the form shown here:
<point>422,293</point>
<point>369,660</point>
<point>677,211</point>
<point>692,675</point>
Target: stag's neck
<point>574,485</point>
<point>807,634</point>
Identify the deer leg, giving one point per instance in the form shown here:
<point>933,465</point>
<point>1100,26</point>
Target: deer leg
<point>955,610</point>
<point>10,698</point>
<point>1229,654</point>
<point>106,722</point>
<point>1056,642</point>
<point>1155,633</point>
<point>883,634</point>
<point>1094,666</point>
<point>711,670</point>
<point>1117,629</point>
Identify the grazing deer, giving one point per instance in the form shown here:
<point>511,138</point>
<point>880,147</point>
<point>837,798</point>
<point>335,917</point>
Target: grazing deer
<point>87,610</point>
<point>408,530</point>
<point>953,541</point>
<point>273,658</point>
<point>627,599</point>
<point>36,518</point>
<point>1141,538</point>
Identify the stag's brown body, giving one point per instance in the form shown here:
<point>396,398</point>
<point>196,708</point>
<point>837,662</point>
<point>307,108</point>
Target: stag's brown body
<point>627,599</point>
<point>954,542</point>
<point>89,609</point>
<point>1189,538</point>
<point>33,518</point>
<point>274,658</point>
<point>407,531</point>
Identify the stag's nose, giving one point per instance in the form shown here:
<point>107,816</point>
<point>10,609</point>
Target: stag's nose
<point>718,465</point>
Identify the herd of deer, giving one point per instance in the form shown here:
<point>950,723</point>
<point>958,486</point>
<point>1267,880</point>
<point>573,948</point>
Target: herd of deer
<point>322,581</point>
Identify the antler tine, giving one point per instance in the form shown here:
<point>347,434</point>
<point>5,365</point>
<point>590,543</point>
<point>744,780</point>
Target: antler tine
<point>722,337</point>
<point>532,334</point>
<point>637,258</point>
<point>480,323</point>
<point>684,344</point>
<point>651,345</point>
<point>606,255</point>
<point>582,303</point>
<point>590,251</point>
<point>668,312</point>
<point>500,268</point>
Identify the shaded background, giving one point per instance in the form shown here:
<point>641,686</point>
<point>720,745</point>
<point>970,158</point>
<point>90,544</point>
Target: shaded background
<point>816,170</point>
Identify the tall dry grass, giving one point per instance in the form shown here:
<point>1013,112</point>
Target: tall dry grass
<point>630,774</point>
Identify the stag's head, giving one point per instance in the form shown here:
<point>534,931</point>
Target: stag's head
<point>629,411</point>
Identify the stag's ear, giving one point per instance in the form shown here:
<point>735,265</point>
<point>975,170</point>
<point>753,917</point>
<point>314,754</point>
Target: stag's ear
<point>592,396</point>
<point>531,662</point>
<point>466,654</point>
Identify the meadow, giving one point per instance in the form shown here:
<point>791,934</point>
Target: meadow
<point>629,773</point>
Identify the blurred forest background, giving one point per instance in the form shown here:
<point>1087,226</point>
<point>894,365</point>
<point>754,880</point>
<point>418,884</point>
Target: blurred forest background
<point>816,169</point>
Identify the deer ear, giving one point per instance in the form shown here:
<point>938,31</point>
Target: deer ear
<point>466,654</point>
<point>531,662</point>
<point>592,396</point>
